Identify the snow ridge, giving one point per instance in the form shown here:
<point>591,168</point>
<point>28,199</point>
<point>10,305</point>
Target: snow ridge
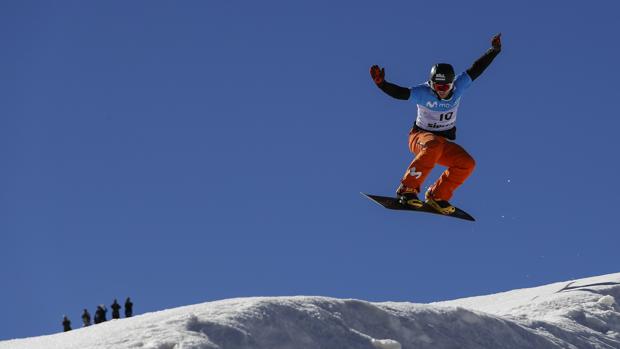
<point>576,314</point>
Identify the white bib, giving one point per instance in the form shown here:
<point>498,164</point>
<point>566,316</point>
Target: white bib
<point>434,120</point>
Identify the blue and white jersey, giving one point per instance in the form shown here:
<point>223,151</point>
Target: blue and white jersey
<point>435,114</point>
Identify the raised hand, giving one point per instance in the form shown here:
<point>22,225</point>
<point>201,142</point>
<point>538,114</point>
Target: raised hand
<point>496,41</point>
<point>377,74</point>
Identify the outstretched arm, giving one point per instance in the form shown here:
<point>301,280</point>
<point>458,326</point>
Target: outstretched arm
<point>483,62</point>
<point>393,90</point>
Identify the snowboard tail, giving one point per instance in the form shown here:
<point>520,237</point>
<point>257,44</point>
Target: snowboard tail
<point>394,204</point>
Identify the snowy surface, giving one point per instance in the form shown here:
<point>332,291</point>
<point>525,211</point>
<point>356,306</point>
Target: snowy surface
<point>573,314</point>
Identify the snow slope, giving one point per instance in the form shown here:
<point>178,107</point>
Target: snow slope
<point>573,314</point>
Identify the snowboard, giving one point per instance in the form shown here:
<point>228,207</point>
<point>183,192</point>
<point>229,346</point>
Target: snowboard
<point>394,204</point>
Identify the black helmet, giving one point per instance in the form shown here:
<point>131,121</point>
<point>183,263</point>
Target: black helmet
<point>442,73</point>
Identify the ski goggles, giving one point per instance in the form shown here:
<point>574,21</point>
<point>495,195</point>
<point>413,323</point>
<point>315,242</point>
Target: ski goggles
<point>441,87</point>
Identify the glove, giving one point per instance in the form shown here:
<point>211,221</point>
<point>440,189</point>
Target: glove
<point>377,74</point>
<point>496,42</point>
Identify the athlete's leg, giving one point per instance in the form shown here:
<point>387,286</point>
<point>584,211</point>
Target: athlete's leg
<point>428,149</point>
<point>459,166</point>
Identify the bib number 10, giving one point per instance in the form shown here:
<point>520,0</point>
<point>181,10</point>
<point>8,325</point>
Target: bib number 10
<point>446,116</point>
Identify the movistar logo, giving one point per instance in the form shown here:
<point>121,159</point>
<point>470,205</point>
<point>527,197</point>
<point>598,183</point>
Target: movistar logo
<point>435,104</point>
<point>415,173</point>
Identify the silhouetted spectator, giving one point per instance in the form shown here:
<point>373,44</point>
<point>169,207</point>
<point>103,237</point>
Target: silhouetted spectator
<point>116,310</point>
<point>86,318</point>
<point>128,308</point>
<point>66,324</point>
<point>100,314</point>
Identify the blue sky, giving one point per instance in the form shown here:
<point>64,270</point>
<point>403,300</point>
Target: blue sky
<point>181,152</point>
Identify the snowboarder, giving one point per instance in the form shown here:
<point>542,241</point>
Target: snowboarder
<point>66,324</point>
<point>116,313</point>
<point>432,135</point>
<point>86,318</point>
<point>128,308</point>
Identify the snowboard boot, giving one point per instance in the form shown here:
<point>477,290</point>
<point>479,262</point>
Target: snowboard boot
<point>408,196</point>
<point>441,206</point>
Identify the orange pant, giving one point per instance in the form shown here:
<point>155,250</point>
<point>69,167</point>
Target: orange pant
<point>431,149</point>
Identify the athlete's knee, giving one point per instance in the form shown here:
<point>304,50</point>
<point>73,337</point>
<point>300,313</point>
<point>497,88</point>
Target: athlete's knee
<point>467,162</point>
